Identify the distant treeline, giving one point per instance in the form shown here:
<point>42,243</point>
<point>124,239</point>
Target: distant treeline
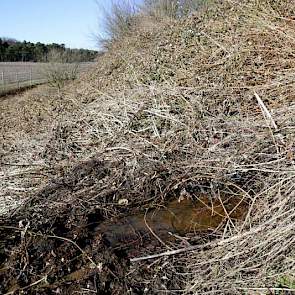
<point>12,50</point>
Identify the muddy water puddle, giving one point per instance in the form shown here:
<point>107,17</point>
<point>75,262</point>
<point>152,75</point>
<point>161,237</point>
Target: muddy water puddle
<point>178,218</point>
<point>67,265</point>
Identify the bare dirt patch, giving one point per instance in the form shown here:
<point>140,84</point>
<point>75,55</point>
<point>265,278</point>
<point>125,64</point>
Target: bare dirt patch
<point>199,106</point>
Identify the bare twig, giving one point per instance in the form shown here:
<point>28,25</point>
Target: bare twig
<point>265,111</point>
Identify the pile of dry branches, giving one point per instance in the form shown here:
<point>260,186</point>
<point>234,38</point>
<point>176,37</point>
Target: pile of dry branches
<point>205,105</point>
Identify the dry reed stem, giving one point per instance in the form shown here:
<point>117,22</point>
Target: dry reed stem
<point>167,118</point>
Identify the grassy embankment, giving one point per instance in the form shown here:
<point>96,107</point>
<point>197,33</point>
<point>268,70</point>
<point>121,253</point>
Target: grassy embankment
<point>175,107</point>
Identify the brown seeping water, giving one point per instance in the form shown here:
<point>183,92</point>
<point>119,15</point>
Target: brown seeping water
<point>179,217</point>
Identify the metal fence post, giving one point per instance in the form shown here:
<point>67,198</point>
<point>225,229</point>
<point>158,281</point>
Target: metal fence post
<point>3,80</point>
<point>31,77</point>
<point>17,80</point>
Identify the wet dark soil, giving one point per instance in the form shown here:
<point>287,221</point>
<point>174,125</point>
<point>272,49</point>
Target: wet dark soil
<point>63,243</point>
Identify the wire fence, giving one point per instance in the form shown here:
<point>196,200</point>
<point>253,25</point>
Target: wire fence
<point>18,75</point>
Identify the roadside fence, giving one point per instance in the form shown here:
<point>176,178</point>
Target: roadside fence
<point>14,79</point>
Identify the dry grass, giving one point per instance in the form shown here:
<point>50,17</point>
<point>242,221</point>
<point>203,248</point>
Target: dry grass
<point>26,123</point>
<point>148,128</point>
<point>204,105</point>
<point>172,8</point>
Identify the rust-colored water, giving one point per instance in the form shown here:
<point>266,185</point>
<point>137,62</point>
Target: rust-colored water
<point>179,217</point>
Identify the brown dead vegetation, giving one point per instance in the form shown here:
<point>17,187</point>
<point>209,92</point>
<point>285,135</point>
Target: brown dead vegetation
<point>203,105</point>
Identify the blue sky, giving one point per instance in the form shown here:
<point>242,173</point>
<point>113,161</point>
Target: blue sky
<point>72,22</point>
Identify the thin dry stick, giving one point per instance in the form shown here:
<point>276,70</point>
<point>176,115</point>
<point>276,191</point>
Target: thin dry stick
<point>267,289</point>
<point>29,286</point>
<point>265,111</point>
<point>153,233</point>
<point>55,237</point>
<point>214,41</point>
<point>76,245</point>
<point>212,244</point>
<point>225,211</point>
<point>192,248</point>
